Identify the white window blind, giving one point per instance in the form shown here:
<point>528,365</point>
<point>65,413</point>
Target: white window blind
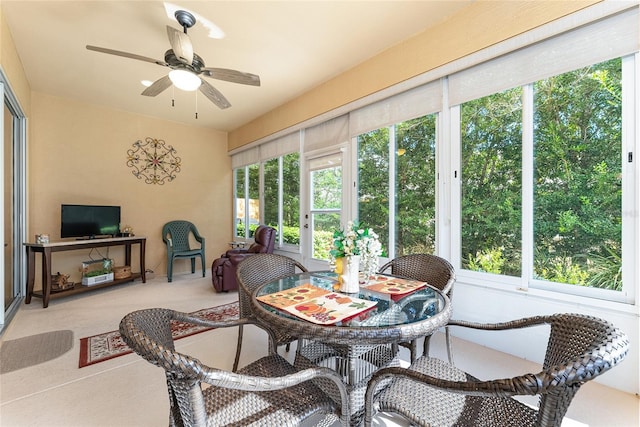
<point>328,134</point>
<point>611,37</point>
<point>280,146</point>
<point>325,162</point>
<point>246,157</point>
<point>417,102</point>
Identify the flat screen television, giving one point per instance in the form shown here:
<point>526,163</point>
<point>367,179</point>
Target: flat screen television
<point>89,221</point>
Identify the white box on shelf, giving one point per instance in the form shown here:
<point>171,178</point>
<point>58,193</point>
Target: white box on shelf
<point>96,280</point>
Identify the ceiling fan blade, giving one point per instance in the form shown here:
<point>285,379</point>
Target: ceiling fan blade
<point>157,86</point>
<point>232,76</point>
<point>126,55</point>
<point>214,95</point>
<point>181,45</point>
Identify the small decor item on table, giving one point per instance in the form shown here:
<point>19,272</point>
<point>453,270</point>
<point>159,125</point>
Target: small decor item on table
<point>348,270</point>
<point>353,248</point>
<point>126,231</point>
<point>122,272</point>
<point>42,238</point>
<point>95,272</point>
<point>60,282</point>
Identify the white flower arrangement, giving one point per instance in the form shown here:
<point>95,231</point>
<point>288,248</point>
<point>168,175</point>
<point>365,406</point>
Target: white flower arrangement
<point>355,240</point>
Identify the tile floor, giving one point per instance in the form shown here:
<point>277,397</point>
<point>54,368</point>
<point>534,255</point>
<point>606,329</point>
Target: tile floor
<point>127,391</point>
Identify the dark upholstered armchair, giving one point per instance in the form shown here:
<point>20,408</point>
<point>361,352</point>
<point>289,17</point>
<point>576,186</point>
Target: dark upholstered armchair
<point>223,270</point>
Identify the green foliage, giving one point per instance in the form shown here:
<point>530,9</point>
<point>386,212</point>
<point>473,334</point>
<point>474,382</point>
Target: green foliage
<point>322,244</point>
<point>415,185</point>
<point>606,270</point>
<point>577,178</point>
<point>489,261</point>
<point>562,269</point>
<point>291,235</point>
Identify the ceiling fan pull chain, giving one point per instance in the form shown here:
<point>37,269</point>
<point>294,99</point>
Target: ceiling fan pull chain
<point>173,93</point>
<point>196,105</point>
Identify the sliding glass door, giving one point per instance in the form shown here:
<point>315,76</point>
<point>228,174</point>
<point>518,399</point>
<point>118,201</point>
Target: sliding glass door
<point>13,205</point>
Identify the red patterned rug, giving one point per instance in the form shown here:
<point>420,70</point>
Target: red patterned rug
<point>108,345</point>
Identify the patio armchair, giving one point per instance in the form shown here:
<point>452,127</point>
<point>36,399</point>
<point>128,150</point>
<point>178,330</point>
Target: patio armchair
<point>432,392</point>
<point>175,235</point>
<point>269,391</point>
<point>434,270</point>
<point>256,271</point>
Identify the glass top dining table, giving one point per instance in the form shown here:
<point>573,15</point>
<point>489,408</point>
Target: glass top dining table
<point>391,320</point>
<point>361,344</point>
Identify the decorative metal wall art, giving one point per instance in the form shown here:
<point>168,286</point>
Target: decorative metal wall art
<point>154,161</point>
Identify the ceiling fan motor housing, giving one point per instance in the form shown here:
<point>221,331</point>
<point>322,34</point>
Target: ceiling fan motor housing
<point>171,59</point>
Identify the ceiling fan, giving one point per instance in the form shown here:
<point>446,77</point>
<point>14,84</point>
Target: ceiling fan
<point>186,66</point>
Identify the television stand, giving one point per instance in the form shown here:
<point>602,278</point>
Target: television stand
<point>46,249</point>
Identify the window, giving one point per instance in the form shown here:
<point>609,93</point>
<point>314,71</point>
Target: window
<point>325,181</point>
<point>282,197</point>
<point>247,197</point>
<point>578,178</point>
<point>396,185</point>
<point>491,139</point>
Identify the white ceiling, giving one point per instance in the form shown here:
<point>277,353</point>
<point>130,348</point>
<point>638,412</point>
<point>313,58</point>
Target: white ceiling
<point>292,45</point>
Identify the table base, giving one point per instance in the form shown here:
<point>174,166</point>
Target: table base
<point>356,364</point>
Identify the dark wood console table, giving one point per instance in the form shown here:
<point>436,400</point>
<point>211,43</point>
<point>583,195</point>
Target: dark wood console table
<point>46,249</point>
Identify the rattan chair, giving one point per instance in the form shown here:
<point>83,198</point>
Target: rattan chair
<point>255,271</point>
<point>437,272</point>
<point>267,392</point>
<point>432,392</point>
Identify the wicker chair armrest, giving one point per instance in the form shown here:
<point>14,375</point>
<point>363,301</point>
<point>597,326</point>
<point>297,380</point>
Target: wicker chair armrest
<point>188,318</point>
<point>250,320</point>
<point>238,381</point>
<point>501,326</point>
<point>528,384</point>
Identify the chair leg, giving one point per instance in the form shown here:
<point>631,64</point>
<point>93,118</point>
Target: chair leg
<point>427,341</point>
<point>238,348</point>
<point>414,350</point>
<point>204,269</point>
<point>170,269</point>
<point>449,347</point>
<point>193,265</point>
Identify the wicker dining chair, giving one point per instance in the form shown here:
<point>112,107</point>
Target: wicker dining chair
<point>432,392</point>
<point>255,271</point>
<point>434,270</point>
<point>267,392</point>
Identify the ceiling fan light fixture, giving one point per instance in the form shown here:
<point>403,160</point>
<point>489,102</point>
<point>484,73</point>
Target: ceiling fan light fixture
<point>185,80</point>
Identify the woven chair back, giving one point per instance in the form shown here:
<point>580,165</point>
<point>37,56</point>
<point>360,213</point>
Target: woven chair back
<point>436,271</point>
<point>258,269</point>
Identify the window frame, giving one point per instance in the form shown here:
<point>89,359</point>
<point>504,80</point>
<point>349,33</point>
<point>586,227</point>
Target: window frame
<point>526,281</point>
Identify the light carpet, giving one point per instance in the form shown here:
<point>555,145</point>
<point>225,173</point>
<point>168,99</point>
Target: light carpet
<point>105,346</point>
<point>34,349</point>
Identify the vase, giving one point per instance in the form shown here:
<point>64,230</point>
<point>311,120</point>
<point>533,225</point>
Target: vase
<point>348,270</point>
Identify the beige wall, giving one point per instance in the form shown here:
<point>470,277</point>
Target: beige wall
<point>78,154</point>
<point>482,24</point>
<point>12,67</point>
